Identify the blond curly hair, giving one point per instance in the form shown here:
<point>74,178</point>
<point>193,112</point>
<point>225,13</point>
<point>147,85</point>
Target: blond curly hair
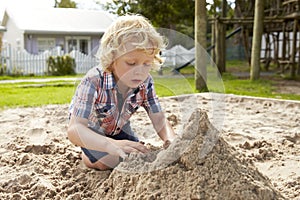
<point>129,32</point>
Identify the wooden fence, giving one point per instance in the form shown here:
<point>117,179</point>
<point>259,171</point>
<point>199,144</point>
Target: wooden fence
<point>20,62</point>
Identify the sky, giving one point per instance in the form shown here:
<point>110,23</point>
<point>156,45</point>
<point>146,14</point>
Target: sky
<point>84,4</point>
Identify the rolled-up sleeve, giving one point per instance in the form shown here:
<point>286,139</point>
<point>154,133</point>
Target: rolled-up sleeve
<point>151,103</point>
<point>84,98</point>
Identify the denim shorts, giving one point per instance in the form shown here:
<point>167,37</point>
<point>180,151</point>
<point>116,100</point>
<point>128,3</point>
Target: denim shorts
<point>125,134</point>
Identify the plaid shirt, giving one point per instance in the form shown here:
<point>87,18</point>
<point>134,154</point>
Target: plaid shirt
<point>96,100</point>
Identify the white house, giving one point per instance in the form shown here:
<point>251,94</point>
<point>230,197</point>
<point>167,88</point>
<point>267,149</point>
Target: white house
<point>37,30</point>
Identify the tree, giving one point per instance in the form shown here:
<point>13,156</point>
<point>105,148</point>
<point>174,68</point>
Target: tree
<point>171,14</point>
<point>200,45</point>
<point>257,36</point>
<point>65,4</point>
<point>244,8</point>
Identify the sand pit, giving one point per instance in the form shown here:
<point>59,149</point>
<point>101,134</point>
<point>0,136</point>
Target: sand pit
<point>217,175</point>
<point>255,154</point>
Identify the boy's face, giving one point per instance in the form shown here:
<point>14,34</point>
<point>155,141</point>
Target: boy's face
<point>132,68</point>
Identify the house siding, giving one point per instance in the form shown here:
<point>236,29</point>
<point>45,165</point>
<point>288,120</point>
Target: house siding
<point>31,44</point>
<point>13,35</point>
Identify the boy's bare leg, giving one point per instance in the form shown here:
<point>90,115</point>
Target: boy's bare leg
<point>109,160</point>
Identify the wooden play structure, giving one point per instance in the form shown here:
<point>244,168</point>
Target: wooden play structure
<point>281,37</point>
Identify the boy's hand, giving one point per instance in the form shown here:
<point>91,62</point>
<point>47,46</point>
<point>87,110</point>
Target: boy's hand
<point>128,146</point>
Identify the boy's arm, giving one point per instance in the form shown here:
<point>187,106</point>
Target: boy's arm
<point>162,127</point>
<point>79,134</point>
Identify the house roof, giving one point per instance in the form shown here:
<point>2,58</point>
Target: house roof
<point>60,20</point>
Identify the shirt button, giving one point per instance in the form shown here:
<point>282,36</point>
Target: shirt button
<point>118,128</point>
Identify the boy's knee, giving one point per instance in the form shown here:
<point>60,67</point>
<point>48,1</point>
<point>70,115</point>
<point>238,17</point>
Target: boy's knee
<point>97,165</point>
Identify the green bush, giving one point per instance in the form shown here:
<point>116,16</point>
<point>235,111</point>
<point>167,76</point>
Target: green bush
<point>61,65</point>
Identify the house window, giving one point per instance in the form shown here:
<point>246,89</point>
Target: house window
<point>45,44</point>
<point>81,44</point>
<point>72,45</point>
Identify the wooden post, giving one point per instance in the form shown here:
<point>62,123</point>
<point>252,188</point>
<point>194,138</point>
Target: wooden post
<point>200,46</point>
<point>223,37</point>
<point>294,51</point>
<point>283,47</point>
<point>257,36</point>
<point>213,39</point>
<point>220,39</point>
<point>246,44</point>
<point>276,42</point>
<point>220,46</point>
<point>298,68</point>
<point>267,51</point>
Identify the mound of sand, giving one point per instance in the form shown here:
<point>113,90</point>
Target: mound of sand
<point>186,170</point>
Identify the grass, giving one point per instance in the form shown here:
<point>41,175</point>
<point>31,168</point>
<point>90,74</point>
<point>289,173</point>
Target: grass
<point>30,94</point>
<point>259,88</point>
<point>60,92</point>
<point>237,65</point>
<point>172,86</point>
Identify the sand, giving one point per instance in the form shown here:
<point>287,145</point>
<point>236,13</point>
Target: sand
<point>236,147</point>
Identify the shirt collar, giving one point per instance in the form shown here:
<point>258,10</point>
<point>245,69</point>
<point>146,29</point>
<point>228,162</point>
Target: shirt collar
<point>108,80</point>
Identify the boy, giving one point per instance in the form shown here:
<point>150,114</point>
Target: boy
<point>108,95</point>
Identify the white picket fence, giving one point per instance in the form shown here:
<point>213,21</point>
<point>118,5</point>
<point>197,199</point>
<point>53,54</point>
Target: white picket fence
<point>23,63</point>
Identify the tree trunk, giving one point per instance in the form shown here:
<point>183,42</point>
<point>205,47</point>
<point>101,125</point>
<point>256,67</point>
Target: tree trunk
<point>200,45</point>
<point>221,40</point>
<point>256,42</point>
